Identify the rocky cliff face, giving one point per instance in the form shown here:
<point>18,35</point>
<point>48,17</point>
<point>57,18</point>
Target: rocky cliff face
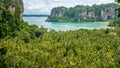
<point>14,6</point>
<point>58,12</point>
<point>108,13</point>
<point>102,12</point>
<point>11,12</point>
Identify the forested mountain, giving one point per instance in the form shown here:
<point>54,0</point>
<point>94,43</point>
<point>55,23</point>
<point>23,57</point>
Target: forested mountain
<point>81,13</point>
<point>27,46</point>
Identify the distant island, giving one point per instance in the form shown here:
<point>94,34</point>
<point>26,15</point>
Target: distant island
<point>34,15</point>
<point>81,13</point>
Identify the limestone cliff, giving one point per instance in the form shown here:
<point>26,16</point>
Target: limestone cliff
<point>108,13</point>
<point>14,6</point>
<point>11,12</point>
<point>80,13</point>
<point>60,11</point>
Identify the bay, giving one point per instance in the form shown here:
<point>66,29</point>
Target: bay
<point>61,26</point>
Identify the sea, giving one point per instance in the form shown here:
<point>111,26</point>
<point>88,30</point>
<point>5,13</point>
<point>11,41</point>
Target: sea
<point>64,26</point>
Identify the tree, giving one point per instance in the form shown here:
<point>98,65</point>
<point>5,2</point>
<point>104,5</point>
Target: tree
<point>117,1</point>
<point>119,8</point>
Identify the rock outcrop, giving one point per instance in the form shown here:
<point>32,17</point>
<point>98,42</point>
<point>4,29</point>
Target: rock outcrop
<point>58,12</point>
<point>14,6</point>
<point>82,13</point>
<point>108,13</point>
<point>11,12</point>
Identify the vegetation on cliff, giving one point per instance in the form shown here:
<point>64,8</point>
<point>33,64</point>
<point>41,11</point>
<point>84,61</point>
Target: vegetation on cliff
<point>118,8</point>
<point>116,22</point>
<point>82,13</point>
<point>27,46</point>
<point>10,16</point>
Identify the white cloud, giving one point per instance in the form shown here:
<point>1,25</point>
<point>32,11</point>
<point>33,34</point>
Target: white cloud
<point>45,6</point>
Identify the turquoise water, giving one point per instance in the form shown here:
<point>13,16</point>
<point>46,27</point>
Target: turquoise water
<point>40,21</point>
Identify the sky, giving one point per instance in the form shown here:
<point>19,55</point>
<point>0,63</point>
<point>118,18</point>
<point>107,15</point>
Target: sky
<point>45,6</point>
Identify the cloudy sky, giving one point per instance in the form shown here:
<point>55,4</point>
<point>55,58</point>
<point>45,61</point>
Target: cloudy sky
<point>45,6</point>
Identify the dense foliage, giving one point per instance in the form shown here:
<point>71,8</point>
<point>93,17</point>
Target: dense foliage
<point>81,13</point>
<point>114,22</point>
<point>118,8</point>
<point>9,22</point>
<point>33,47</point>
